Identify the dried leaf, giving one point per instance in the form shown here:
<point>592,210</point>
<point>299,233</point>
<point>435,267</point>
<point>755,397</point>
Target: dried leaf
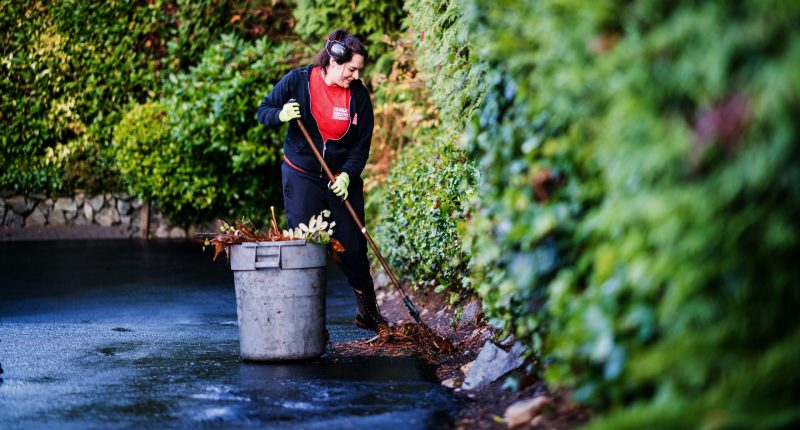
<point>337,246</point>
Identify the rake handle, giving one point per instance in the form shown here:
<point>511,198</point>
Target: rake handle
<point>411,309</point>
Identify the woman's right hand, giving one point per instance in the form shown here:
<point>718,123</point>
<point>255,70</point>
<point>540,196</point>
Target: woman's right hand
<point>289,112</point>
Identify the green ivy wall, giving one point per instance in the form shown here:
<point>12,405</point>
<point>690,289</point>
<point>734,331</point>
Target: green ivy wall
<point>637,213</point>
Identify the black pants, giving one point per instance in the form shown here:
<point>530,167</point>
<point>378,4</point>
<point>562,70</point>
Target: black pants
<point>306,194</point>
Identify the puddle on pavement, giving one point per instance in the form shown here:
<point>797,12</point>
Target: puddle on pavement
<point>146,336</point>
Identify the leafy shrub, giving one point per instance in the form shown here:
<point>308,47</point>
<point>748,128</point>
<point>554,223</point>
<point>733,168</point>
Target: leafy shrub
<point>421,206</point>
<point>214,157</point>
<point>144,152</point>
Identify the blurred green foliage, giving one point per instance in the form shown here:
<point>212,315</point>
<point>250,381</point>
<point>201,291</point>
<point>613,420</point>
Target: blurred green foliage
<point>531,136</point>
<point>199,151</point>
<point>637,221</point>
<point>67,70</point>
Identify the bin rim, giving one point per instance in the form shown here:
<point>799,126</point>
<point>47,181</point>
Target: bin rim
<point>277,243</point>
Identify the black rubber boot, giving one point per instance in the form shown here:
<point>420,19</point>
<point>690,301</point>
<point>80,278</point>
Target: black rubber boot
<point>368,316</point>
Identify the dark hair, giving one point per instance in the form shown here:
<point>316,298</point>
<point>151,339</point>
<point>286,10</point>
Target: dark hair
<point>352,43</point>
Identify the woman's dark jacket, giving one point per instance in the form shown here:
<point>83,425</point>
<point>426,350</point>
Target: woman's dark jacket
<point>347,154</point>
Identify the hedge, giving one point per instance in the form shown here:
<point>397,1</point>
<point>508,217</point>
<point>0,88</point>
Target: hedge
<point>200,152</point>
<point>67,70</point>
<point>421,206</point>
<point>635,220</point>
<point>638,204</point>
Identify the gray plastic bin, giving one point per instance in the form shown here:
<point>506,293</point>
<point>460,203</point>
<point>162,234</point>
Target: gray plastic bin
<point>280,299</point>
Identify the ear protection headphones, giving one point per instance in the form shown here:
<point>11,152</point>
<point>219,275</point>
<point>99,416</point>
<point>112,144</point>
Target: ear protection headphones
<point>338,51</point>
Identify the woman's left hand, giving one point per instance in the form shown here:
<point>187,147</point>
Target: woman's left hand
<point>340,185</point>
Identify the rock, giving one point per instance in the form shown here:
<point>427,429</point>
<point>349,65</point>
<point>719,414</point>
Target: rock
<point>162,232</point>
<point>137,203</point>
<point>524,411</point>
<point>465,368</point>
<point>65,204</point>
<point>125,220</point>
<point>449,383</point>
<point>382,280</point>
<point>37,196</point>
<point>471,313</point>
<point>177,233</point>
<point>88,212</point>
<point>121,195</point>
<point>20,205</point>
<point>49,203</point>
<point>492,363</point>
<point>191,230</point>
<point>37,218</point>
<point>70,215</point>
<point>123,207</point>
<point>508,341</point>
<point>96,202</point>
<point>2,211</point>
<point>107,217</point>
<point>111,203</point>
<point>80,199</point>
<point>537,421</point>
<point>81,219</point>
<point>13,219</point>
<point>56,218</point>
<point>381,295</point>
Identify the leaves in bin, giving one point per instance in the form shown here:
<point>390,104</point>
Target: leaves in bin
<point>318,230</point>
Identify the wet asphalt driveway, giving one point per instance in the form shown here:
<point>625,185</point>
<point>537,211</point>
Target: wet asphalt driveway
<point>132,334</point>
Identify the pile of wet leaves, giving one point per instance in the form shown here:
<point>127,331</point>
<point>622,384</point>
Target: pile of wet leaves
<point>401,339</point>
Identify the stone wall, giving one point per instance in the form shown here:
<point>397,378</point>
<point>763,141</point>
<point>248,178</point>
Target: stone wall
<point>106,210</point>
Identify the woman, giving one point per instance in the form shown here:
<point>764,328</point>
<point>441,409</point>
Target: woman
<point>336,111</point>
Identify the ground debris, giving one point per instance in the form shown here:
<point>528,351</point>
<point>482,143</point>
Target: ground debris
<point>427,342</point>
<point>399,340</point>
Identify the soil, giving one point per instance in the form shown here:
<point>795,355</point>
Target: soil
<point>483,407</point>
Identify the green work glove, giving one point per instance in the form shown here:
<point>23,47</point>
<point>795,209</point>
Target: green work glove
<point>340,185</point>
<point>289,112</point>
